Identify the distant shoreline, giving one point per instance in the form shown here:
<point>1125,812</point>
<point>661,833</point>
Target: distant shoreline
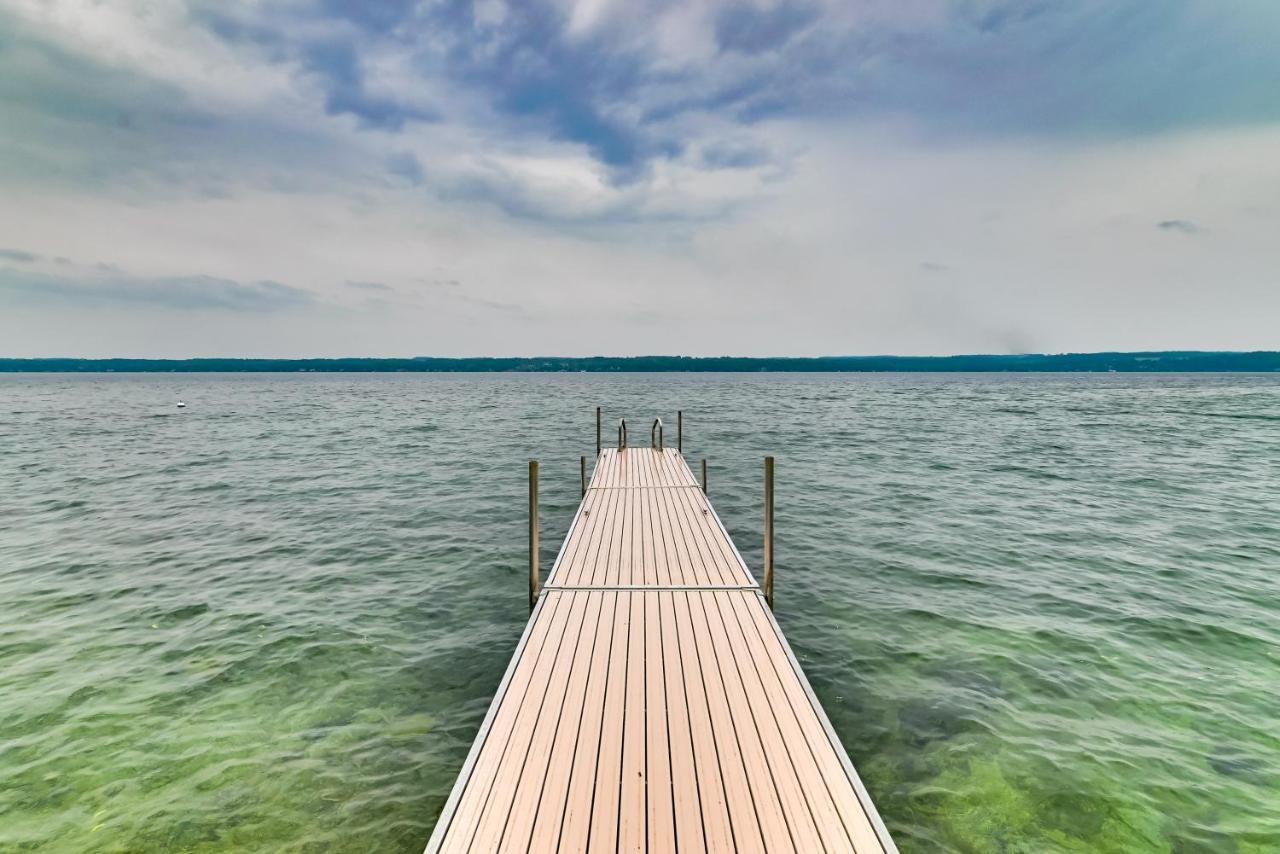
<point>1263,361</point>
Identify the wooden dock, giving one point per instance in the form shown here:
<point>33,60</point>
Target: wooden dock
<point>652,703</point>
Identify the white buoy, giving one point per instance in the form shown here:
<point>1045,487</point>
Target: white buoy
<point>181,405</point>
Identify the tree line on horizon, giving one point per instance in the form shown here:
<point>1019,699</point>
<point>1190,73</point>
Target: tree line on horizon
<point>1142,362</point>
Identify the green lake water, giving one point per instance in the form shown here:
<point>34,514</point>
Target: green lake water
<point>1043,612</point>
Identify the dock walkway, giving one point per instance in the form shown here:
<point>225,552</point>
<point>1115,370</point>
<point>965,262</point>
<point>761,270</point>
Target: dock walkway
<point>653,703</point>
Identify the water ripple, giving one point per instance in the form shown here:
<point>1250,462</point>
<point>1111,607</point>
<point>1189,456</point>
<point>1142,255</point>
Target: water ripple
<point>1042,612</point>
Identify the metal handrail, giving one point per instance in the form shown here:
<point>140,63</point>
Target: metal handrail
<point>622,434</point>
<point>656,430</point>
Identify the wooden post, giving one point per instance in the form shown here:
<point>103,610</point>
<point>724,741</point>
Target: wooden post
<point>768,531</point>
<point>597,431</point>
<point>680,431</point>
<point>704,475</point>
<point>534,576</point>
<point>583,460</point>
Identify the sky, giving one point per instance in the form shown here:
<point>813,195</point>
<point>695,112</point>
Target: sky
<point>286,178</point>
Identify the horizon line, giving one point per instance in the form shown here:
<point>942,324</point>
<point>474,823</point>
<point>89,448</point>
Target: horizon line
<point>1143,361</point>
<point>617,357</point>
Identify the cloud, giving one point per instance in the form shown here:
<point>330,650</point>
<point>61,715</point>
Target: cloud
<point>492,304</point>
<point>180,293</point>
<point>370,286</point>
<point>380,16</point>
<point>653,101</point>
<point>735,155</point>
<point>18,255</point>
<point>405,165</point>
<point>753,29</point>
<point>1181,226</point>
<point>556,158</point>
<point>338,67</point>
<point>335,60</point>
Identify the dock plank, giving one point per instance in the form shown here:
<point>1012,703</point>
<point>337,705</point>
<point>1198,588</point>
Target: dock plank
<point>749,832</point>
<point>713,794</point>
<point>633,812</point>
<point>577,735</point>
<point>653,704</point>
<point>660,805</point>
<point>691,816</point>
<point>546,762</point>
<point>642,536</point>
<point>580,794</point>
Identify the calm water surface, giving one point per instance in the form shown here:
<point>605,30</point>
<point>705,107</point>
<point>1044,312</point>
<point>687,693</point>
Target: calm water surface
<point>1043,612</point>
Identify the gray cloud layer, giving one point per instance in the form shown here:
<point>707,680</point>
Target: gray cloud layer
<point>181,293</point>
<point>628,95</point>
<point>875,176</point>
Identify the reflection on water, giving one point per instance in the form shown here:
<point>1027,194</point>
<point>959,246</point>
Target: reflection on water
<point>1042,611</point>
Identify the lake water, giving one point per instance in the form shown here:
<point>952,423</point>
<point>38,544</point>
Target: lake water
<point>1043,612</point>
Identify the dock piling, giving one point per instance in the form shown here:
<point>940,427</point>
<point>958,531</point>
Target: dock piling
<point>583,461</point>
<point>704,475</point>
<point>768,531</point>
<point>597,431</point>
<point>680,431</point>
<point>534,575</point>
